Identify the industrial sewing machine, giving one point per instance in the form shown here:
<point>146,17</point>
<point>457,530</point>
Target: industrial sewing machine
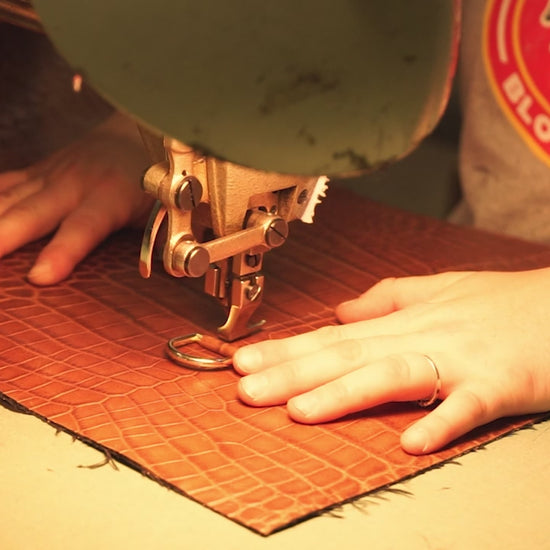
<point>309,87</point>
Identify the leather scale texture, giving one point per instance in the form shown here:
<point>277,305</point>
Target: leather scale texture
<point>87,356</point>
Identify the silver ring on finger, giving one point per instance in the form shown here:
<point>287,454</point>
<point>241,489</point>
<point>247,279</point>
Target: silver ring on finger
<point>437,388</point>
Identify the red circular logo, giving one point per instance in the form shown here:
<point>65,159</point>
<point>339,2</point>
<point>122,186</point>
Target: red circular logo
<point>516,46</point>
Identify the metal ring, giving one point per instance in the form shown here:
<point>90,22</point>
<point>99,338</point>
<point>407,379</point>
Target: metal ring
<point>433,398</point>
<point>193,361</point>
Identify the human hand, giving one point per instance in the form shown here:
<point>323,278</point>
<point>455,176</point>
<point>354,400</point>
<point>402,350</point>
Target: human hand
<point>488,334</point>
<point>83,192</point>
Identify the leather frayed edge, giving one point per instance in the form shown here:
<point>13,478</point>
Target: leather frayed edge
<point>361,502</point>
<point>335,510</point>
<point>110,454</point>
<point>12,405</point>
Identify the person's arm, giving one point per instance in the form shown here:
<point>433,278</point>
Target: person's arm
<point>487,333</point>
<point>82,193</point>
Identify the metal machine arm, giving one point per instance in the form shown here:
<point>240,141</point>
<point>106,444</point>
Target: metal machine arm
<point>221,219</point>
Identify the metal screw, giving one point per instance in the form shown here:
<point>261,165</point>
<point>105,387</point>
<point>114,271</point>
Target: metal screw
<point>252,260</point>
<point>196,261</point>
<point>189,194</point>
<point>253,291</point>
<point>302,197</point>
<point>276,233</point>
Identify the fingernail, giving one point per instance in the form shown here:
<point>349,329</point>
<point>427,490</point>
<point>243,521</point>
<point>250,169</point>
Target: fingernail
<point>40,273</point>
<point>306,405</point>
<point>254,386</point>
<point>247,359</point>
<point>416,440</point>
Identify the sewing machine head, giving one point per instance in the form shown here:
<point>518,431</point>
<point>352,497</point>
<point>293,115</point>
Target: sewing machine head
<point>304,87</point>
<point>221,219</point>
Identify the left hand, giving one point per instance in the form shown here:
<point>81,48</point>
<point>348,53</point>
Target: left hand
<point>487,333</point>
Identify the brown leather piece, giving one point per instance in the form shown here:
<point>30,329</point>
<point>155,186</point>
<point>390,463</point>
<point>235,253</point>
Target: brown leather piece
<point>87,355</point>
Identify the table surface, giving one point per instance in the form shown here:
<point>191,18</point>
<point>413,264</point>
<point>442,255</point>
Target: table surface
<point>54,497</point>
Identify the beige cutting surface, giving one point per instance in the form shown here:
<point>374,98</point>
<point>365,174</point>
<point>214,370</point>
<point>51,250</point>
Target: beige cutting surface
<point>494,498</point>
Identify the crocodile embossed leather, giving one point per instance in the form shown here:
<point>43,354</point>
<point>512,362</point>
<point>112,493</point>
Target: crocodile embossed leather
<point>88,356</point>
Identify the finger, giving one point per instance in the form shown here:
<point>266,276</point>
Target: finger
<point>277,384</point>
<point>19,192</point>
<point>461,412</point>
<point>11,178</point>
<point>402,377</point>
<point>32,218</point>
<point>255,357</point>
<point>79,234</point>
<point>268,353</point>
<point>394,294</point>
